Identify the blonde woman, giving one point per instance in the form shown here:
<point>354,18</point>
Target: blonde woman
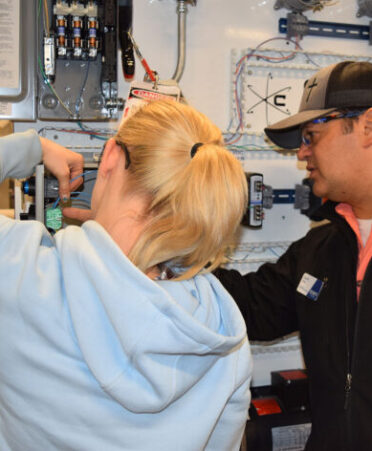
<point>113,335</point>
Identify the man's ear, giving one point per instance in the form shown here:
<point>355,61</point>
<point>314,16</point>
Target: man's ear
<point>368,125</point>
<point>111,156</point>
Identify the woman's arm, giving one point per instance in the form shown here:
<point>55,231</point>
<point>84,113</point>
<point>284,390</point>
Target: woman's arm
<point>64,164</point>
<point>21,152</point>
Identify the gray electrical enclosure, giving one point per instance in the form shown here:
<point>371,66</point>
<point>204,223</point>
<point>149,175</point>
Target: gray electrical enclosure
<point>77,77</point>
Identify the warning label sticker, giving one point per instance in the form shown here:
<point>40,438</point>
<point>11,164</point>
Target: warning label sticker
<point>290,438</point>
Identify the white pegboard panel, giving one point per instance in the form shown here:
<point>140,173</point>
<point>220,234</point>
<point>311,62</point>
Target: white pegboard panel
<point>249,256</point>
<point>278,355</point>
<point>266,85</point>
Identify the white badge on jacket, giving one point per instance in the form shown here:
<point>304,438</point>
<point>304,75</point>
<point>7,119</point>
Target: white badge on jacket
<point>310,286</point>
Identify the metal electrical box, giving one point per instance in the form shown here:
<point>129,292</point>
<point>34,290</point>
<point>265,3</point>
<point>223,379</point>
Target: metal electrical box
<point>77,73</point>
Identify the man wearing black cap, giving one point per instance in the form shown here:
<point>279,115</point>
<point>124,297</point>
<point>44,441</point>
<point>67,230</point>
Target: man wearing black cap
<point>322,285</point>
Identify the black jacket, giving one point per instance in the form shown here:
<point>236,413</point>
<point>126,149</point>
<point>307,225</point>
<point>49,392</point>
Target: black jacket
<point>335,330</point>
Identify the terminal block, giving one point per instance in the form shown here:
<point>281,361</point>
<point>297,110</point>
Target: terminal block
<point>253,217</point>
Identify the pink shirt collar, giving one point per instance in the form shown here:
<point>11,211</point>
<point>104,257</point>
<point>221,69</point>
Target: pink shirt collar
<point>365,252</point>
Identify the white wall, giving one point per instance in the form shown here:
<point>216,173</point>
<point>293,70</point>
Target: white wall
<point>214,27</point>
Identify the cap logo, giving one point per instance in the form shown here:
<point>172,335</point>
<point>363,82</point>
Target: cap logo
<point>310,88</point>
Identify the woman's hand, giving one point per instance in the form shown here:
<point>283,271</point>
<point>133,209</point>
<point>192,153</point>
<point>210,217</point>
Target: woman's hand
<point>64,165</point>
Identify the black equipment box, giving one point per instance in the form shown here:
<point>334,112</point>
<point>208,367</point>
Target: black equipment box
<point>279,413</point>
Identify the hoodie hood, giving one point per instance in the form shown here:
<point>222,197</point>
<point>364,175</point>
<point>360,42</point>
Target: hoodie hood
<point>146,342</point>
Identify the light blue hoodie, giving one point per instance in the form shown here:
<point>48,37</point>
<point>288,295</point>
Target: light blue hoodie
<point>96,356</point>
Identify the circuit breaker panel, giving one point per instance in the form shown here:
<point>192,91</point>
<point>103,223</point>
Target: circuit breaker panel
<point>77,67</point>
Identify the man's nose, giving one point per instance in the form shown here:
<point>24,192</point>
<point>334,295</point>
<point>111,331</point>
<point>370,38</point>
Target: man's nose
<point>303,152</point>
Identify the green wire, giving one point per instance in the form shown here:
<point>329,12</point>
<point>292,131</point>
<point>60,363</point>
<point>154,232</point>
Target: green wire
<point>52,89</point>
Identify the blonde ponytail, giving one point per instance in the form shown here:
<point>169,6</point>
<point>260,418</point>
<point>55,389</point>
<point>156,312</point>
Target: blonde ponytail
<point>196,203</point>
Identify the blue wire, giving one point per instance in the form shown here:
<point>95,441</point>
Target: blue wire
<point>78,103</point>
<point>249,55</point>
<point>83,174</point>
<point>80,199</point>
<point>90,134</point>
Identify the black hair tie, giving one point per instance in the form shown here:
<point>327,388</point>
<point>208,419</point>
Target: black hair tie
<point>194,149</point>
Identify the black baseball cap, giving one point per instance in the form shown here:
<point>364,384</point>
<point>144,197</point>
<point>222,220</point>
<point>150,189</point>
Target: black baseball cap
<point>343,85</point>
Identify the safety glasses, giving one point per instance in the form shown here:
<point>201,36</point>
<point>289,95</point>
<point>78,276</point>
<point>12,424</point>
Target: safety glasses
<point>306,135</point>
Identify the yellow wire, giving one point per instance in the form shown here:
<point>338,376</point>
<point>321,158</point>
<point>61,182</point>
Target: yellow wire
<point>46,15</point>
<point>53,90</point>
<point>60,100</point>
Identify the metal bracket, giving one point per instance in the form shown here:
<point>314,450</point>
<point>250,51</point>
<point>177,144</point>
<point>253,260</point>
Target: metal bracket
<point>283,196</point>
<point>326,29</point>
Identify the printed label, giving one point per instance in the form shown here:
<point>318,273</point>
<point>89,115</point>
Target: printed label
<point>5,109</point>
<point>310,286</point>
<point>141,93</point>
<point>290,438</point>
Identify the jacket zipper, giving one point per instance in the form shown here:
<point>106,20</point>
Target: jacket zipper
<point>349,376</point>
<point>348,383</point>
<point>349,379</point>
<point>350,352</point>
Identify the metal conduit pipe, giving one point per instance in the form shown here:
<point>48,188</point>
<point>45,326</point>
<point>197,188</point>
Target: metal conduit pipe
<point>181,13</point>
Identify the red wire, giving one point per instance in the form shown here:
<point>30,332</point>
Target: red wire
<point>273,58</point>
<point>148,70</point>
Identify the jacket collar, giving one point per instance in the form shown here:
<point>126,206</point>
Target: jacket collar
<point>326,211</point>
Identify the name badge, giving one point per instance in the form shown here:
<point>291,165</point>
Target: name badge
<point>310,286</point>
